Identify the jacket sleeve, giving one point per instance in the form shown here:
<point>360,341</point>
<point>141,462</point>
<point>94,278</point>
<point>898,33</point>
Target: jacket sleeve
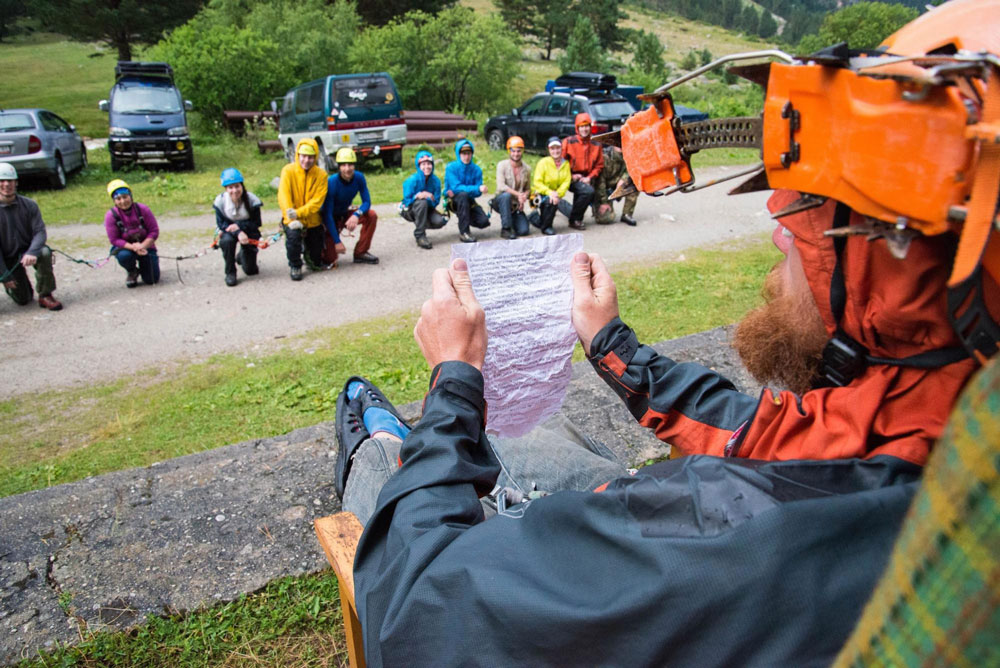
<point>538,183</point>
<point>252,223</point>
<point>285,190</point>
<point>38,235</point>
<point>566,172</point>
<point>687,405</point>
<point>221,221</point>
<point>315,202</point>
<point>152,227</point>
<point>598,165</point>
<point>326,216</point>
<point>435,190</point>
<point>409,191</point>
<point>111,228</point>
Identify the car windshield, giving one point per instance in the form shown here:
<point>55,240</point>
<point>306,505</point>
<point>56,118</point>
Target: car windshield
<point>146,98</point>
<point>362,92</point>
<point>15,122</point>
<point>611,109</point>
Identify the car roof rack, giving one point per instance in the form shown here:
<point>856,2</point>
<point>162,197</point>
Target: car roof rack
<point>133,68</point>
<point>587,81</point>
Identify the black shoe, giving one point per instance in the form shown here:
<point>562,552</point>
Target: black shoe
<point>296,273</point>
<point>577,225</point>
<point>628,220</point>
<point>468,238</point>
<point>132,279</point>
<point>231,279</point>
<point>424,243</point>
<point>507,234</point>
<point>548,231</point>
<point>351,431</point>
<point>366,258</point>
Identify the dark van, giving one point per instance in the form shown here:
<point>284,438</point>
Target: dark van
<point>362,111</point>
<point>147,117</point>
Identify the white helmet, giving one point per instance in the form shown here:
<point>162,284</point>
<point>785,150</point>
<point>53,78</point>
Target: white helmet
<point>7,172</point>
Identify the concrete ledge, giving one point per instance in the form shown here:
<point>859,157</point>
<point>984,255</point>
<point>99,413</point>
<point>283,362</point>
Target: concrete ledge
<point>208,527</point>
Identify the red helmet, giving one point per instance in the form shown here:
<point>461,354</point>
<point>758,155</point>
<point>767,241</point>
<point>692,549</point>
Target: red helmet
<point>582,118</point>
<point>515,142</point>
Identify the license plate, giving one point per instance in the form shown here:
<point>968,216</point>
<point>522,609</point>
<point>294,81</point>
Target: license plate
<point>151,154</point>
<point>370,136</point>
<point>6,150</point>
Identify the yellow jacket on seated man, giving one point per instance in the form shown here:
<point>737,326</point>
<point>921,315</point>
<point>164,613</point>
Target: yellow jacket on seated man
<point>302,190</point>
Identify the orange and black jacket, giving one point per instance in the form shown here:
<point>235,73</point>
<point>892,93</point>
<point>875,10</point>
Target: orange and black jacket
<point>585,157</point>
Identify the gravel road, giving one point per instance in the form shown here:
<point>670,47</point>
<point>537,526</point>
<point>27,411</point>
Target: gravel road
<point>106,330</point>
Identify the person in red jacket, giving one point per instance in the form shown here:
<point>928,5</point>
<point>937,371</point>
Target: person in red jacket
<point>586,160</point>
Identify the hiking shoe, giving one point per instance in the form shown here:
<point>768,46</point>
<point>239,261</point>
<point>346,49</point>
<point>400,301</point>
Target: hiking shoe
<point>507,234</point>
<point>132,279</point>
<point>468,238</point>
<point>548,231</point>
<point>49,302</point>
<point>577,224</point>
<point>295,273</point>
<point>350,426</point>
<point>424,243</point>
<point>628,220</point>
<point>231,279</point>
<point>366,258</point>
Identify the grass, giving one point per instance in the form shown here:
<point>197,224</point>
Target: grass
<point>60,436</point>
<point>291,622</point>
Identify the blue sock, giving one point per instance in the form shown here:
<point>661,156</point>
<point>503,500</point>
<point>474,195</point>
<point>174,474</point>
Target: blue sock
<point>378,419</point>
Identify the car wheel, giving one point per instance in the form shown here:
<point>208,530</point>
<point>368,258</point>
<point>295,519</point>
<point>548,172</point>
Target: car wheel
<point>324,160</point>
<point>83,157</point>
<point>57,179</point>
<point>392,159</point>
<point>290,152</point>
<point>495,139</point>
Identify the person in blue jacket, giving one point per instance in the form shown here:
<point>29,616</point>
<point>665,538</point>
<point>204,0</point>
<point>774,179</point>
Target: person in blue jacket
<point>463,183</point>
<point>338,213</point>
<point>421,195</point>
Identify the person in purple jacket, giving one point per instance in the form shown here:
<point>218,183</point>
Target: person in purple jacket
<point>132,231</point>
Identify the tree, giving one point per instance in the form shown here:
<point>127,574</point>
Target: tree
<point>605,17</point>
<point>648,55</point>
<point>690,60</point>
<point>553,23</point>
<point>381,12</point>
<point>518,15</point>
<point>119,23</point>
<point>768,26</point>
<point>583,52</point>
<point>10,11</point>
<point>749,20</point>
<point>864,25</point>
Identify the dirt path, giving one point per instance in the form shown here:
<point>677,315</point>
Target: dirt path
<point>106,330</point>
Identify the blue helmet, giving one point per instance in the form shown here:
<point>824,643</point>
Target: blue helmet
<point>231,175</point>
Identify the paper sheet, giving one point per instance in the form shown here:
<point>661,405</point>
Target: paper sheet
<point>525,288</point>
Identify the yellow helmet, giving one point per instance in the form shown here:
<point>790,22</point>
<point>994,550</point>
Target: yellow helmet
<point>345,154</point>
<point>117,184</point>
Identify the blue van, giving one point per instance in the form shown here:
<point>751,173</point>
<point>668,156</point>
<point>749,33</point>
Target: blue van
<point>362,111</point>
<point>147,121</point>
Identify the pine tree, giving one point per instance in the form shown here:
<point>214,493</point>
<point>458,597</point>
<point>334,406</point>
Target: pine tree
<point>749,20</point>
<point>768,26</point>
<point>583,51</point>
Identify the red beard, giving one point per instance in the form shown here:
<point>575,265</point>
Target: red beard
<point>782,341</point>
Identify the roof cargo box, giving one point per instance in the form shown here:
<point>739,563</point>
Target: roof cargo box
<point>587,81</point>
<point>133,68</point>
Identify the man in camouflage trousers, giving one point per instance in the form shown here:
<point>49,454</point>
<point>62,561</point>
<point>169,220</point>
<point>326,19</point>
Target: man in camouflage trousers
<point>613,175</point>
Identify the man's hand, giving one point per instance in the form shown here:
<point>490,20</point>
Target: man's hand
<point>450,194</point>
<point>341,248</point>
<point>28,260</point>
<point>604,208</point>
<point>577,177</point>
<point>483,189</point>
<point>233,228</point>
<point>522,198</point>
<point>243,238</point>
<point>291,215</point>
<point>585,179</point>
<point>595,299</point>
<point>452,325</point>
<point>553,199</point>
<point>352,222</point>
<point>10,285</point>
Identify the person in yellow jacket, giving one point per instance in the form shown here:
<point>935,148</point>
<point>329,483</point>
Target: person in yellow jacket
<point>552,180</point>
<point>300,196</point>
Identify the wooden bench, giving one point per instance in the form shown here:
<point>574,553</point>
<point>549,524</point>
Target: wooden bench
<point>339,535</point>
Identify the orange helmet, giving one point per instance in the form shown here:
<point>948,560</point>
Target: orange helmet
<point>582,119</point>
<point>515,142</point>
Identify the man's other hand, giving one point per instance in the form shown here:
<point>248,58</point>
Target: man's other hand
<point>351,223</point>
<point>28,260</point>
<point>452,325</point>
<point>595,299</point>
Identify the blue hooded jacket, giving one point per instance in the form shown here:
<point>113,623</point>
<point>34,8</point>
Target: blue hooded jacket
<point>418,183</point>
<point>462,178</point>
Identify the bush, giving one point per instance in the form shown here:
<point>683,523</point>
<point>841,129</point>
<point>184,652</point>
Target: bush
<point>457,60</point>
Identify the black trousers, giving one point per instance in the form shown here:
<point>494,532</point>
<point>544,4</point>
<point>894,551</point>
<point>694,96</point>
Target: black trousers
<point>583,195</point>
<point>469,213</point>
<point>311,238</point>
<point>424,216</point>
<point>228,242</point>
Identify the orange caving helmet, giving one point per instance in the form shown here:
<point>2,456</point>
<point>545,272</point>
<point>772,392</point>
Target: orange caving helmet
<point>515,142</point>
<point>582,118</point>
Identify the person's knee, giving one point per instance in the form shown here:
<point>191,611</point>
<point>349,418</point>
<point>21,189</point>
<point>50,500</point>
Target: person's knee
<point>501,201</point>
<point>369,218</point>
<point>462,197</point>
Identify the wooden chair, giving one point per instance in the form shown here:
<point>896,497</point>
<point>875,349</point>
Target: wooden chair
<point>339,535</point>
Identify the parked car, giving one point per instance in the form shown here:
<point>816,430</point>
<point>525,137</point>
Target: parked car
<point>551,114</point>
<point>39,143</point>
<point>147,123</point>
<point>362,111</point>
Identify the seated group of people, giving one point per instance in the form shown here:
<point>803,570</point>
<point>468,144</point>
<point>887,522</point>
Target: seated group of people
<point>575,164</point>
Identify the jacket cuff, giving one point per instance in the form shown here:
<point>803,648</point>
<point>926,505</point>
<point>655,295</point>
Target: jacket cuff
<point>460,380</point>
<point>613,348</point>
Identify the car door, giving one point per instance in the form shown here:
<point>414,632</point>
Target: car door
<point>553,121</point>
<point>70,143</point>
<point>525,123</point>
<point>53,141</point>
